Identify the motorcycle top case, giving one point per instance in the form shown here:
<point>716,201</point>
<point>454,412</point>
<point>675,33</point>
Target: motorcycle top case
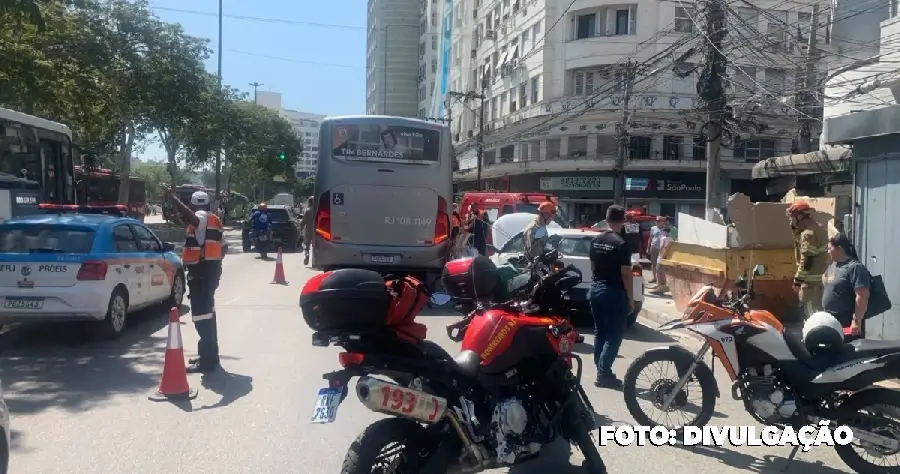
<point>470,278</point>
<point>349,298</point>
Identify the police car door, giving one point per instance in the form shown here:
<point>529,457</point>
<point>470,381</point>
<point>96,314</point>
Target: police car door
<point>159,283</point>
<point>128,262</point>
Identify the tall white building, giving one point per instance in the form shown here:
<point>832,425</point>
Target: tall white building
<point>555,88</point>
<point>305,124</point>
<point>404,58</point>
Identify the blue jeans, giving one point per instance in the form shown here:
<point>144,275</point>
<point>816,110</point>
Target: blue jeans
<point>609,305</point>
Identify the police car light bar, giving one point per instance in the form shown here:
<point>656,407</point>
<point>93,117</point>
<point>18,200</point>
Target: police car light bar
<point>116,209</point>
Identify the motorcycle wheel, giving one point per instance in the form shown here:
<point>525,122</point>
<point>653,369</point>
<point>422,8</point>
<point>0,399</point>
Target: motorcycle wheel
<point>365,451</point>
<point>875,399</point>
<point>702,373</point>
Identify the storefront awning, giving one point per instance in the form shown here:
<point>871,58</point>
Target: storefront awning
<point>834,160</point>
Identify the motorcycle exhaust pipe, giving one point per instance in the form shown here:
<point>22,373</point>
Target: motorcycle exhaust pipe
<point>385,397</point>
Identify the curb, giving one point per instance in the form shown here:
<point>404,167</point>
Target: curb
<point>650,316</point>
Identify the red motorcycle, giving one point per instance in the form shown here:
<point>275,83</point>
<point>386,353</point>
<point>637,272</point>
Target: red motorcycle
<point>508,393</point>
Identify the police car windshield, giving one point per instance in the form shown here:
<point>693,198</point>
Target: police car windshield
<point>45,239</point>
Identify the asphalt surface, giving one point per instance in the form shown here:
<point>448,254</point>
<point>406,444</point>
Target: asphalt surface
<point>81,406</point>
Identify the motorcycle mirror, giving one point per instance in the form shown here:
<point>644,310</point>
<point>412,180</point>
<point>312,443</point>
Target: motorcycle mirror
<point>759,270</point>
<point>440,299</point>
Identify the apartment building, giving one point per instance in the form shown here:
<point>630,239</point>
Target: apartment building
<point>305,124</point>
<point>554,93</point>
<point>402,42</point>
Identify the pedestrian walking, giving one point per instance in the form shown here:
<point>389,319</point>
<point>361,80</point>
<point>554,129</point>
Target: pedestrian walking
<point>309,228</point>
<point>655,240</point>
<point>610,295</point>
<point>204,248</point>
<point>664,240</point>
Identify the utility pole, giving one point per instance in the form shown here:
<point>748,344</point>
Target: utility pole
<point>712,92</point>
<point>622,136</point>
<point>255,86</point>
<point>480,143</point>
<point>218,196</point>
<point>807,99</point>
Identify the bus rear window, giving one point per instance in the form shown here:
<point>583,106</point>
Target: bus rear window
<point>385,143</point>
<point>50,239</point>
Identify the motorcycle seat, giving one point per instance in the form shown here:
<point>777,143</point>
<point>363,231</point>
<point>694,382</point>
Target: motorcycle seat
<point>467,363</point>
<point>861,348</point>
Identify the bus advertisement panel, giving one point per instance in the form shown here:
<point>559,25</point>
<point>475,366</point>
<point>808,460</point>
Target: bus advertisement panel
<point>385,143</point>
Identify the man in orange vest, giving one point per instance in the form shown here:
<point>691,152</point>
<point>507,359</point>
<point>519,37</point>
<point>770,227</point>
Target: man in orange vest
<point>204,248</point>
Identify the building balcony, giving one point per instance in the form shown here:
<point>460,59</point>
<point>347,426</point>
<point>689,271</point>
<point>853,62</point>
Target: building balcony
<point>599,50</point>
<point>594,163</point>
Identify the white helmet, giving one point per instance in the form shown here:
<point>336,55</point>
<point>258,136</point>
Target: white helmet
<point>199,198</point>
<point>822,332</point>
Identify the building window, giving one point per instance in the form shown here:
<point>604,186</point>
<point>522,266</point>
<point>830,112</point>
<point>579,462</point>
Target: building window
<point>535,153</point>
<point>553,148</point>
<point>535,34</point>
<point>434,65</point>
<point>433,20</point>
<point>623,22</point>
<point>494,114</point>
<point>699,147</point>
<point>523,151</point>
<point>503,104</point>
<point>434,43</point>
<point>507,153</point>
<point>525,41</point>
<point>752,151</point>
<point>672,147</point>
<point>586,26</point>
<point>776,81</point>
<point>523,95</point>
<point>804,23</point>
<point>639,148</point>
<point>512,100</point>
<point>684,22</point>
<point>577,147</point>
<point>535,89</point>
<point>744,80</point>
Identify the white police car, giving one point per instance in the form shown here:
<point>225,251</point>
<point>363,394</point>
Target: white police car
<point>574,248</point>
<point>71,266</point>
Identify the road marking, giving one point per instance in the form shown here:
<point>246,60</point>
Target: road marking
<point>232,301</point>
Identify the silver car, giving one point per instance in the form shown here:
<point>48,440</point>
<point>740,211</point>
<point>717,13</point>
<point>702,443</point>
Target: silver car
<point>4,433</point>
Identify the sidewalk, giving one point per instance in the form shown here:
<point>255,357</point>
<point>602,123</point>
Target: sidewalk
<point>658,310</point>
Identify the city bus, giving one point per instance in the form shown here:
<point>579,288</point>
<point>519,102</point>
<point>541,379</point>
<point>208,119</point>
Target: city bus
<point>36,164</point>
<point>100,187</point>
<point>384,187</point>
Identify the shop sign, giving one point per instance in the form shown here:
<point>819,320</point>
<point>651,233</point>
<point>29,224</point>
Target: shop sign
<point>677,186</point>
<point>577,183</point>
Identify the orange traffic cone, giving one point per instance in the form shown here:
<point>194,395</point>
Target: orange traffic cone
<point>174,382</point>
<point>279,278</point>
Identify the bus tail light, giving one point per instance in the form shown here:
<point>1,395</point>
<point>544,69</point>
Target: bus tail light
<point>92,271</point>
<point>441,222</point>
<point>323,216</point>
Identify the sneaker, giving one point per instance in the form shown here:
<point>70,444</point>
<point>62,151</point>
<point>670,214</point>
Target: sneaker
<point>608,381</point>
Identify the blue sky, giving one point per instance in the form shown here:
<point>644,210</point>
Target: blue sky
<point>313,52</point>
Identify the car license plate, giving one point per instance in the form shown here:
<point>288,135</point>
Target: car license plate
<point>326,407</point>
<point>383,258</point>
<point>24,303</point>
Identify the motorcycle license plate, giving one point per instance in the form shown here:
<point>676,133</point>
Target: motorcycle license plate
<point>326,407</point>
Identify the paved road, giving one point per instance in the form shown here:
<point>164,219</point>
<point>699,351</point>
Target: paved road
<point>82,407</point>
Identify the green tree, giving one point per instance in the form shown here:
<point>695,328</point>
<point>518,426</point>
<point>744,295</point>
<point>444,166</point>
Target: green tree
<point>156,178</point>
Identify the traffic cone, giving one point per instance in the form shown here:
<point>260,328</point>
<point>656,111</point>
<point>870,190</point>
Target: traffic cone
<point>174,383</point>
<point>279,278</point>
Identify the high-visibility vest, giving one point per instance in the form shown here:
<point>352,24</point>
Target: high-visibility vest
<point>194,253</point>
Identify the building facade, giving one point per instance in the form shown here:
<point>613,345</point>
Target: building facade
<point>863,113</point>
<point>305,124</point>
<point>554,87</point>
<point>393,52</point>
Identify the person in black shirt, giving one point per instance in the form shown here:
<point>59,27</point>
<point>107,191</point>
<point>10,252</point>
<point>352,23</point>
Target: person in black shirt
<point>479,228</point>
<point>611,295</point>
<point>846,285</point>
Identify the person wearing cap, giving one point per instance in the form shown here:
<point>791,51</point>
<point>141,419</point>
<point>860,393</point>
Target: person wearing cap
<point>546,211</point>
<point>810,254</point>
<point>204,249</point>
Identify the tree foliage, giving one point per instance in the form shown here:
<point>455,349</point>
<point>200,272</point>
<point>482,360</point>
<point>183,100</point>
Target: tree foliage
<point>117,74</point>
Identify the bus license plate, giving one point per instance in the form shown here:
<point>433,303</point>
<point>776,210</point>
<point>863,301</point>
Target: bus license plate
<point>24,303</point>
<point>326,407</point>
<point>383,258</point>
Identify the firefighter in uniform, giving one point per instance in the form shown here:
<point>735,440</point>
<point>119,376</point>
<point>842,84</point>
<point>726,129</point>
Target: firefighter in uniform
<point>810,253</point>
<point>204,248</point>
